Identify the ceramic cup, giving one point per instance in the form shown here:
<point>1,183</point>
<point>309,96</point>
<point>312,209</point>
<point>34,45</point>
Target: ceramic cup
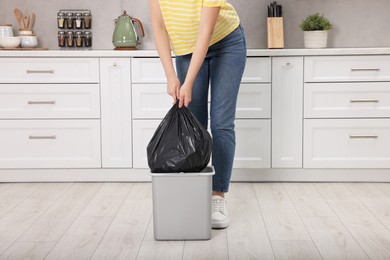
<point>29,41</point>
<point>6,30</point>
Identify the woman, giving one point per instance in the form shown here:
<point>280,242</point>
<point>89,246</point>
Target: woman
<point>210,49</point>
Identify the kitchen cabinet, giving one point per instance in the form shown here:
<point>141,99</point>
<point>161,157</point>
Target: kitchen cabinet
<point>306,115</point>
<point>347,115</point>
<point>116,113</point>
<point>287,109</point>
<point>49,113</point>
<point>151,103</point>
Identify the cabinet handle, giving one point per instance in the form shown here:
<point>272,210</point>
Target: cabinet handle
<point>365,69</point>
<point>40,71</point>
<point>49,102</point>
<point>363,136</point>
<point>34,137</point>
<point>364,100</point>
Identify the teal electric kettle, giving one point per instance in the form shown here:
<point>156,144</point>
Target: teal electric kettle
<point>126,36</point>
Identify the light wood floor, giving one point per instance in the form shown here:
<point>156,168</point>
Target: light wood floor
<point>268,221</point>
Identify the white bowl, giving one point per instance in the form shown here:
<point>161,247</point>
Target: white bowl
<point>10,42</point>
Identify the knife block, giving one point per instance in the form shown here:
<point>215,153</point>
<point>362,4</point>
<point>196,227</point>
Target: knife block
<point>275,32</point>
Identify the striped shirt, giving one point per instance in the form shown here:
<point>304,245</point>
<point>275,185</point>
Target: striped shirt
<point>182,20</point>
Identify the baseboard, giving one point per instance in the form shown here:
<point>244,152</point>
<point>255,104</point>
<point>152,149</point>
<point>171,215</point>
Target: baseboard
<point>239,175</point>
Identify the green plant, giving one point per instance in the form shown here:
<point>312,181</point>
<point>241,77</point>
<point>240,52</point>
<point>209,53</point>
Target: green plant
<point>315,22</point>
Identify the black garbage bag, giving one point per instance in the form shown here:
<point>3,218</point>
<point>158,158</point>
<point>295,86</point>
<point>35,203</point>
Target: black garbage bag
<point>180,143</point>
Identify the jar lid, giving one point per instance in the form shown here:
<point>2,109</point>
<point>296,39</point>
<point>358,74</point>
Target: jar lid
<point>79,33</point>
<point>87,32</point>
<point>69,14</point>
<point>60,13</point>
<point>32,34</point>
<point>61,32</point>
<point>78,14</point>
<point>69,32</point>
<point>5,24</point>
<point>87,14</point>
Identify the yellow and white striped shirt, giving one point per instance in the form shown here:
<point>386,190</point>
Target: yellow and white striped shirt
<point>182,20</point>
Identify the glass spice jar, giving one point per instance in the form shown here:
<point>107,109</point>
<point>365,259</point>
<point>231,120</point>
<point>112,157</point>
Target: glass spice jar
<point>61,20</point>
<point>88,39</point>
<point>87,20</point>
<point>61,39</point>
<point>78,21</point>
<point>69,20</point>
<point>79,39</point>
<point>69,39</point>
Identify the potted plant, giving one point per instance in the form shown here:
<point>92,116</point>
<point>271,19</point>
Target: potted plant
<point>315,28</point>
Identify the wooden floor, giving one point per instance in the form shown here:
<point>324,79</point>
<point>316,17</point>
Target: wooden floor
<point>268,221</point>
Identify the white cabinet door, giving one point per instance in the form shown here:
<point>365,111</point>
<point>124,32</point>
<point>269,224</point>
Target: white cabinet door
<point>342,100</point>
<point>116,112</point>
<point>50,143</point>
<point>254,101</point>
<point>49,101</point>
<point>143,131</point>
<point>347,68</point>
<point>253,143</point>
<point>147,70</point>
<point>49,70</point>
<point>257,70</point>
<point>347,143</point>
<point>287,107</point>
<point>150,101</point>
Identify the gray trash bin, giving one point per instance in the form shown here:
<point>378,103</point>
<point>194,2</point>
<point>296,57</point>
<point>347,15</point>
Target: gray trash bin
<point>182,205</point>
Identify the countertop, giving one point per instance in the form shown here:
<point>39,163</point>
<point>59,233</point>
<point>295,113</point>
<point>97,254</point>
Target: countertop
<point>153,53</point>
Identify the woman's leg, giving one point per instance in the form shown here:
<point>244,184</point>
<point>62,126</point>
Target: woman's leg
<point>227,63</point>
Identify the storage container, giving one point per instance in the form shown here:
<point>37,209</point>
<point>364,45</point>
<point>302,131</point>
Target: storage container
<point>182,205</point>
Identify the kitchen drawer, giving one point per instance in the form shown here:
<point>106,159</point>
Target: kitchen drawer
<point>147,70</point>
<point>254,101</point>
<point>50,144</point>
<point>150,101</point>
<point>150,70</point>
<point>347,68</point>
<point>347,143</point>
<point>49,70</point>
<point>49,101</point>
<point>336,100</point>
<point>257,70</point>
<point>253,143</point>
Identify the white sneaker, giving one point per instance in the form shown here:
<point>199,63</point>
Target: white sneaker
<point>219,214</point>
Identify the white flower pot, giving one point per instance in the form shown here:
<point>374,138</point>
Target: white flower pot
<point>315,39</point>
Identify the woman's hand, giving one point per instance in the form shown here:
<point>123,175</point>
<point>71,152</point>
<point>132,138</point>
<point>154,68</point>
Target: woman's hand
<point>173,88</point>
<point>185,94</point>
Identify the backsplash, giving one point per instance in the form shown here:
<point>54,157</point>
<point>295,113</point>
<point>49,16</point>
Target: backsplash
<point>357,23</point>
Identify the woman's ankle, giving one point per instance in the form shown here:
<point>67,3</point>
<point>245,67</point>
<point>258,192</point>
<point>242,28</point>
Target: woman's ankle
<point>219,193</point>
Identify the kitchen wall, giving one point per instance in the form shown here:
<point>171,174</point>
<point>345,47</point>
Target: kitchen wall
<point>357,23</point>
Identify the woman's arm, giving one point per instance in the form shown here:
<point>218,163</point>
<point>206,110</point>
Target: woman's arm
<point>164,49</point>
<point>208,20</point>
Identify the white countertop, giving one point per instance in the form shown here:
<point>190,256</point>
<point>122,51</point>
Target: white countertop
<point>153,53</point>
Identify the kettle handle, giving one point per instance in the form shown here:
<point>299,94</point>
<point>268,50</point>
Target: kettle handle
<point>135,20</point>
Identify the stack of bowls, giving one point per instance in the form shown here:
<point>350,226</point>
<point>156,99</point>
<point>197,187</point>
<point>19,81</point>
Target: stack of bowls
<point>7,38</point>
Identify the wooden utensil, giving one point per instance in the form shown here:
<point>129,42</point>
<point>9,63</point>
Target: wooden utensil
<point>19,17</point>
<point>26,19</point>
<point>32,21</point>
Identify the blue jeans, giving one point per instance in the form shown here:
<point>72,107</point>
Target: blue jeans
<point>222,69</point>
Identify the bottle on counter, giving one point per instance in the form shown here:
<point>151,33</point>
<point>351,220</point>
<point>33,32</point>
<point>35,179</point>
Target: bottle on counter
<point>69,39</point>
<point>87,20</point>
<point>88,39</point>
<point>79,39</point>
<point>69,20</point>
<point>61,39</point>
<point>61,20</point>
<point>78,20</point>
